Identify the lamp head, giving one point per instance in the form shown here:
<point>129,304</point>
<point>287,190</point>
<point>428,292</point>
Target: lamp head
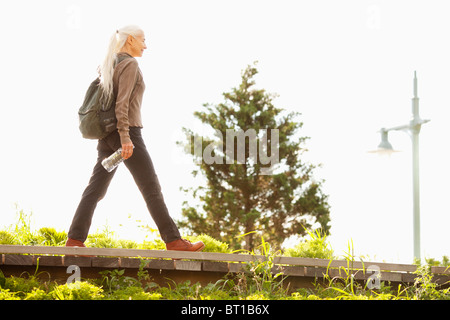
<point>385,146</point>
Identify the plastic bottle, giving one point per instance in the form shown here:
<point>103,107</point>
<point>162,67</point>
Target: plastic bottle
<point>113,160</point>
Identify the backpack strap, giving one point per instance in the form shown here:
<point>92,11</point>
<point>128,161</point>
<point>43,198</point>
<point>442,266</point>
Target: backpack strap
<point>120,59</point>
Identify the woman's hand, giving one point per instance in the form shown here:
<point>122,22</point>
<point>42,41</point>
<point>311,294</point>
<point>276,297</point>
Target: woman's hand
<point>127,150</point>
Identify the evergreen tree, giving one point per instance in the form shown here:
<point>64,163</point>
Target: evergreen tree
<point>255,179</point>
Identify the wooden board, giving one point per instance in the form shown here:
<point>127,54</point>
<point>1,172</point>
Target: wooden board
<point>204,256</point>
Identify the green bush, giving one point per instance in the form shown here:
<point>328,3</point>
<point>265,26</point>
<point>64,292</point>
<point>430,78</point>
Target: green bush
<point>133,293</point>
<point>37,294</point>
<point>211,244</point>
<point>20,285</point>
<point>317,246</point>
<point>5,294</point>
<point>424,288</point>
<point>156,244</point>
<point>78,290</point>
<point>51,237</point>
<point>6,238</point>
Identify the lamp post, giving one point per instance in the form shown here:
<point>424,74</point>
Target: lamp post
<point>413,129</point>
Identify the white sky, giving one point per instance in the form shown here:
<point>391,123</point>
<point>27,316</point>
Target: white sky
<point>347,66</point>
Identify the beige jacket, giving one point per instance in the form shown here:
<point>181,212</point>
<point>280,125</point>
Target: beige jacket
<point>129,85</point>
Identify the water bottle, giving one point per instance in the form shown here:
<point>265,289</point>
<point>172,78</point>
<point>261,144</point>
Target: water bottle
<point>113,160</point>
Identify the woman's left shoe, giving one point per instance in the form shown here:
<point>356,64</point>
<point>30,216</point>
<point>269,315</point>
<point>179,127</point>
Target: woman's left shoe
<point>75,243</point>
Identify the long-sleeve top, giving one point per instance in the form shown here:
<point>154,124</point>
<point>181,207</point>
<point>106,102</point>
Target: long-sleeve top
<point>129,85</point>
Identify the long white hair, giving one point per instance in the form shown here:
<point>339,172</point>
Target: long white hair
<point>116,43</point>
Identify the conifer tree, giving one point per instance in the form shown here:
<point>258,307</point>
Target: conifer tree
<point>255,177</point>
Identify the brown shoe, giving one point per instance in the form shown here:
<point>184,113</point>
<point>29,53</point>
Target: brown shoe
<point>75,243</point>
<point>185,245</point>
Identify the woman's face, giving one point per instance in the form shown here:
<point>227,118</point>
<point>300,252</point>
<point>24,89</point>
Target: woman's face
<point>137,45</point>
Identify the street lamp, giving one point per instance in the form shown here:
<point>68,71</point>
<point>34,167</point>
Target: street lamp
<point>413,130</point>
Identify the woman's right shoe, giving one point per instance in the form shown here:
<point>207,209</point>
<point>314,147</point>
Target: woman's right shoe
<point>185,245</point>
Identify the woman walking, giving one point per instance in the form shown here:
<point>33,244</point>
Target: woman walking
<point>121,76</point>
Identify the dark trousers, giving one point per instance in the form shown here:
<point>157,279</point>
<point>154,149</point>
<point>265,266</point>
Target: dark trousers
<point>141,167</point>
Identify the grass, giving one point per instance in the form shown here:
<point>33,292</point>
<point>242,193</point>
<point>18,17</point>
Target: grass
<point>258,282</point>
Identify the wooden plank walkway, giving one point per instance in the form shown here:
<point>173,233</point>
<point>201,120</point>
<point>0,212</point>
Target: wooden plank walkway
<point>205,266</point>
<point>205,256</point>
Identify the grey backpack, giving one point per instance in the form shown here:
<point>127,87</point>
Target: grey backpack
<point>97,115</point>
